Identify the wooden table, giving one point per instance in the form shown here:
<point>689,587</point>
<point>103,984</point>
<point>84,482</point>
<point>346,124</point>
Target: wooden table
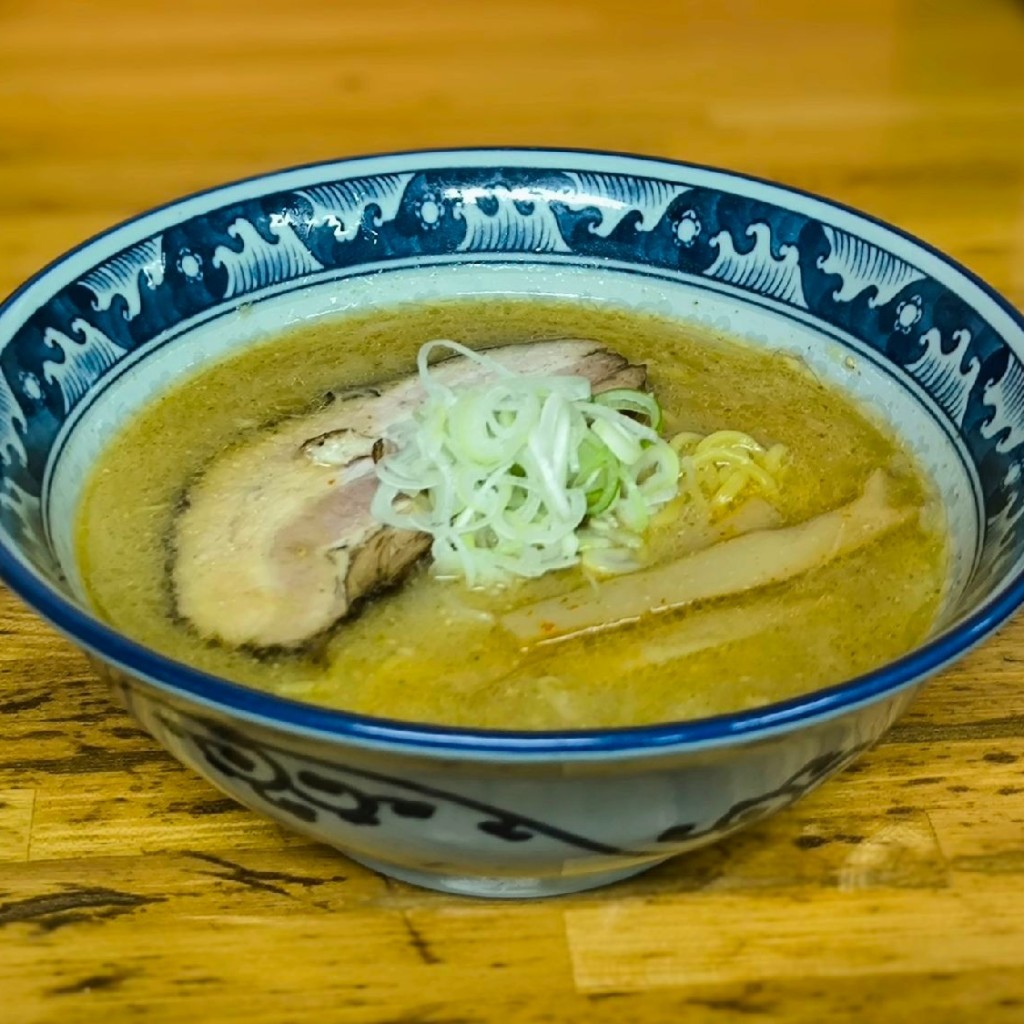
<point>130,889</point>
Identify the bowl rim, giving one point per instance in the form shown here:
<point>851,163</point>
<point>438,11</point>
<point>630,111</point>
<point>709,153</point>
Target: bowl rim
<point>226,698</point>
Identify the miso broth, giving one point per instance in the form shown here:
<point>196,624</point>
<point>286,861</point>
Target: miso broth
<point>433,650</point>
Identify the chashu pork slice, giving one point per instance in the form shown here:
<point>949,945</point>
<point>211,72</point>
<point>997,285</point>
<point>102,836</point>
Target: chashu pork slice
<point>275,542</point>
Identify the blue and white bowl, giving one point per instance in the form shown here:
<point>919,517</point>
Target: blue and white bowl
<point>900,326</point>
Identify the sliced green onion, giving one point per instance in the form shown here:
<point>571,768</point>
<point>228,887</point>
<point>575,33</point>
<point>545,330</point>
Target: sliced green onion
<point>600,500</point>
<point>519,475</point>
<point>630,401</point>
<point>622,444</point>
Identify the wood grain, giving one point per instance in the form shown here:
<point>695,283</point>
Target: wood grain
<point>131,889</point>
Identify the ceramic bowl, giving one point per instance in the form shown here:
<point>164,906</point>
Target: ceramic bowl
<point>912,335</point>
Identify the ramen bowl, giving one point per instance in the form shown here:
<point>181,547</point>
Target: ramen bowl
<point>909,334</point>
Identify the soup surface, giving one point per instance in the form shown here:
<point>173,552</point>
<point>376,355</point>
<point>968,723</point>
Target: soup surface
<point>435,651</point>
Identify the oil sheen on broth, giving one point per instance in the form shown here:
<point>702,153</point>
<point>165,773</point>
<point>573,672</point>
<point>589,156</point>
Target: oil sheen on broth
<point>430,651</point>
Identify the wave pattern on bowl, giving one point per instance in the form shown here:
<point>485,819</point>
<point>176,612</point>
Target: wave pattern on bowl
<point>510,814</point>
<point>248,249</point>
